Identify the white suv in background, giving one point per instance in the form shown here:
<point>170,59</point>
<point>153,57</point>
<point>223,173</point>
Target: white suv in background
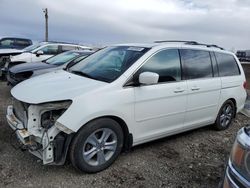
<point>126,95</point>
<point>44,50</point>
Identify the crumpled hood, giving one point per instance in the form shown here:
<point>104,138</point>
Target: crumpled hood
<point>55,86</point>
<point>30,67</point>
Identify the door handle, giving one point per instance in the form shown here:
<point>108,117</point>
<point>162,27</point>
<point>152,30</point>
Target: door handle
<point>195,88</point>
<point>179,90</point>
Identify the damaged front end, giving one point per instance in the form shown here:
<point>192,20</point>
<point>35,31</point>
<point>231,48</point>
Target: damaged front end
<point>37,129</point>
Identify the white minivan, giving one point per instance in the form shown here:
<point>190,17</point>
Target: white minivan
<point>125,95</point>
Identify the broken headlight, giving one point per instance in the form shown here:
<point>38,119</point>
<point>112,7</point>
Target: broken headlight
<point>240,156</point>
<point>52,112</point>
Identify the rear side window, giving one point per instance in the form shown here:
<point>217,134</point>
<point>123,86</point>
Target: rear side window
<point>196,64</point>
<point>227,64</point>
<point>68,48</point>
<point>166,63</point>
<point>20,42</point>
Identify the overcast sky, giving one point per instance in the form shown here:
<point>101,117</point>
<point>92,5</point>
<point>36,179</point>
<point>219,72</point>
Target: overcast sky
<point>223,22</point>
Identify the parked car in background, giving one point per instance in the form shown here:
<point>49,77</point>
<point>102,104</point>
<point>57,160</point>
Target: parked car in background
<point>243,55</point>
<point>44,50</point>
<point>14,43</point>
<point>125,95</point>
<point>11,46</point>
<point>19,73</point>
<point>237,174</point>
<point>39,52</point>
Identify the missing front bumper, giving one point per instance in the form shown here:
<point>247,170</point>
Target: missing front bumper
<point>41,143</point>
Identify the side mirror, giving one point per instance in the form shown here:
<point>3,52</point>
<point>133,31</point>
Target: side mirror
<point>39,52</point>
<point>148,78</point>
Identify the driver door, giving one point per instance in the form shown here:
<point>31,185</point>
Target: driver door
<point>160,108</point>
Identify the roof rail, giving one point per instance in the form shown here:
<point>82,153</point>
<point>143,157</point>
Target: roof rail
<point>51,41</point>
<point>207,45</point>
<point>191,43</point>
<point>184,41</point>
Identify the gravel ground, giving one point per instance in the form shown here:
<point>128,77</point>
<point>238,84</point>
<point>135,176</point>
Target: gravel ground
<point>192,159</point>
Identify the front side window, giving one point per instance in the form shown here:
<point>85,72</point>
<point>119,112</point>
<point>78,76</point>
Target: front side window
<point>50,50</point>
<point>227,64</point>
<point>109,63</point>
<point>32,47</point>
<point>196,64</point>
<point>166,63</point>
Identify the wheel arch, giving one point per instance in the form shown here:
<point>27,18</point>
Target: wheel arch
<point>128,137</point>
<point>235,105</point>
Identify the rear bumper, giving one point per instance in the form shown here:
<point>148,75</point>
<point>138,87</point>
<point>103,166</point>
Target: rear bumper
<point>233,179</point>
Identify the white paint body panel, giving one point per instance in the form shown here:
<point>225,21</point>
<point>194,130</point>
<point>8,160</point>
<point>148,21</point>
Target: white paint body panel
<point>202,101</point>
<point>8,51</point>
<point>29,57</point>
<point>150,112</point>
<point>159,109</point>
<point>46,87</point>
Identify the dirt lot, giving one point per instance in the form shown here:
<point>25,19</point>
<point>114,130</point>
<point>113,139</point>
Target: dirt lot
<point>192,159</point>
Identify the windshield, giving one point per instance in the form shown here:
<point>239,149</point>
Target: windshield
<point>109,63</point>
<point>32,47</point>
<point>62,58</point>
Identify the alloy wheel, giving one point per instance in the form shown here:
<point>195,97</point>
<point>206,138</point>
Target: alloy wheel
<point>226,115</point>
<point>99,147</point>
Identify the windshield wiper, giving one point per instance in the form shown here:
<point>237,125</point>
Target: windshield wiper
<point>83,74</point>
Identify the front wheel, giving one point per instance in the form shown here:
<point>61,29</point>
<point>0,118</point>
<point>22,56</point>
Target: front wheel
<point>97,145</point>
<point>225,116</point>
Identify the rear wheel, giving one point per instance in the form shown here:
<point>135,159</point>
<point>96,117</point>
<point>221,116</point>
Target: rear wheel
<point>96,145</point>
<point>225,116</point>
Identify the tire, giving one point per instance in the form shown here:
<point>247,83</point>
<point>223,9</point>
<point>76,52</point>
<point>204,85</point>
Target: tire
<point>225,116</point>
<point>92,150</point>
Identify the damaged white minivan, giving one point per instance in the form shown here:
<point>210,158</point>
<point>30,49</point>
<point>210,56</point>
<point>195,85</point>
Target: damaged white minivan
<point>125,95</point>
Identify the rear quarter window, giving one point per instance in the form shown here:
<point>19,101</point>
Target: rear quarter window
<point>227,64</point>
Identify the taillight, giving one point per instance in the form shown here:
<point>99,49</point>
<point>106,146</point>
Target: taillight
<point>245,85</point>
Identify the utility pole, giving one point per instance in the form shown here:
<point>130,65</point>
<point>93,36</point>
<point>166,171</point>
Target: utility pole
<point>46,24</point>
